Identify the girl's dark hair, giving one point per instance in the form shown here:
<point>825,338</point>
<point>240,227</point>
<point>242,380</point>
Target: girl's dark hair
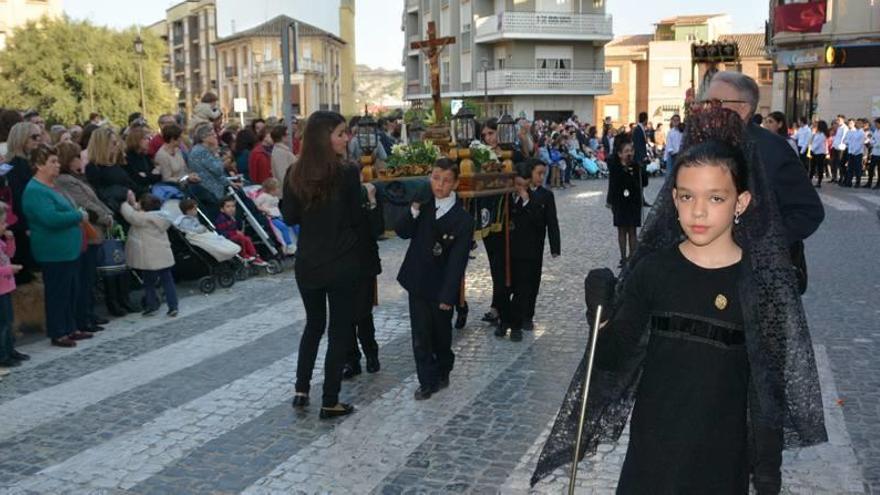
<point>187,204</point>
<point>783,127</point>
<point>716,152</point>
<point>8,118</point>
<point>245,141</point>
<point>227,138</point>
<point>87,135</point>
<point>316,174</point>
<point>149,202</point>
<point>620,141</point>
<point>171,132</point>
<point>822,127</point>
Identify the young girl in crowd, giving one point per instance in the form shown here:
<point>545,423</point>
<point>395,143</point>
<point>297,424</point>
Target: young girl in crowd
<point>626,182</point>
<point>707,335</point>
<point>149,250</point>
<point>267,202</point>
<point>9,357</point>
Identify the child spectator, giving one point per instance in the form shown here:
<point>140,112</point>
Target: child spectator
<point>432,271</point>
<point>227,226</point>
<point>9,357</point>
<point>267,202</point>
<point>189,222</point>
<point>149,250</point>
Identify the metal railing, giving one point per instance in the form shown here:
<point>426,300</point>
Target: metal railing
<point>535,24</point>
<point>587,81</point>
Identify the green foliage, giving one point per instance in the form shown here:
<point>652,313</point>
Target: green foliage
<point>43,67</point>
<point>423,153</point>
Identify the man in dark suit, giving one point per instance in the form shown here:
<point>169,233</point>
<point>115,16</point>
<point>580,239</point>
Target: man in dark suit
<point>801,211</point>
<point>547,226</point>
<point>441,232</point>
<point>640,139</point>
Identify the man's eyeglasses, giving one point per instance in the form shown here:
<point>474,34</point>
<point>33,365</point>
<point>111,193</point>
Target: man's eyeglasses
<point>717,103</point>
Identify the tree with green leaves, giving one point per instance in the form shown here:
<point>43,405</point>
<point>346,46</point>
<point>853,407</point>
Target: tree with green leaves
<point>44,67</point>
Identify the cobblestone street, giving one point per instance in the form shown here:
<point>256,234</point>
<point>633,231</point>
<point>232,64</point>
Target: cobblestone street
<point>200,404</point>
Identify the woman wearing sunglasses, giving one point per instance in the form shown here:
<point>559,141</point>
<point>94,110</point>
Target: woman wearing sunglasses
<point>23,139</point>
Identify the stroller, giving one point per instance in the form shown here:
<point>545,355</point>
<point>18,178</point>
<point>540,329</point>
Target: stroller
<point>256,226</point>
<point>284,235</point>
<point>208,257</point>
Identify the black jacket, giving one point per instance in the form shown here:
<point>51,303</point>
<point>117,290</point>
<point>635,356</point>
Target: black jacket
<point>431,277</point>
<point>640,145</point>
<point>328,237</point>
<point>140,169</point>
<point>372,226</point>
<point>17,178</point>
<point>548,222</point>
<point>622,179</point>
<point>526,228</point>
<point>799,204</point>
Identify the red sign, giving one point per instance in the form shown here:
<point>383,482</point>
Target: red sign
<point>799,17</point>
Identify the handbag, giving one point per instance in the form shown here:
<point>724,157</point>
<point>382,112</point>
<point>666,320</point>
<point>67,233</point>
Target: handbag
<point>111,252</point>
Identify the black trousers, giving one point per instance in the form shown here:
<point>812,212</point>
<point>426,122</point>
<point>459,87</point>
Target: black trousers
<point>432,340</point>
<point>873,165</point>
<point>838,164</point>
<point>363,328</point>
<point>495,251</point>
<point>340,297</point>
<point>805,161</point>
<point>60,283</point>
<point>817,167</point>
<point>88,275</point>
<point>525,279</point>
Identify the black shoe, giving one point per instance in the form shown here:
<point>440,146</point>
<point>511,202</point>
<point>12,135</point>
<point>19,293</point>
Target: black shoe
<point>19,355</point>
<point>443,383</point>
<point>646,204</point>
<point>500,330</point>
<point>300,401</point>
<point>373,364</point>
<point>115,311</point>
<point>516,335</point>
<point>423,393</point>
<point>10,363</point>
<point>336,411</point>
<point>126,306</point>
<point>461,316</point>
<point>171,313</point>
<point>99,321</point>
<point>150,311</point>
<point>351,370</point>
<point>529,326</point>
<point>490,317</point>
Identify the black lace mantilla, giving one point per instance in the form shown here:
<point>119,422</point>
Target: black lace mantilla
<point>780,351</point>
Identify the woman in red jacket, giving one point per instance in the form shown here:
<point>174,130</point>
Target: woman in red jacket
<point>260,161</point>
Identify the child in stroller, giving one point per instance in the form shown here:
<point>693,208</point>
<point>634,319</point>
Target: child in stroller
<point>227,225</point>
<point>267,200</point>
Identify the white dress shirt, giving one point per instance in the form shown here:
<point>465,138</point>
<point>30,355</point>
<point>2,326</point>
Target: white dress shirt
<point>819,145</point>
<point>855,141</point>
<point>443,206</point>
<point>875,143</point>
<point>673,142</point>
<point>839,142</point>
<point>803,138</point>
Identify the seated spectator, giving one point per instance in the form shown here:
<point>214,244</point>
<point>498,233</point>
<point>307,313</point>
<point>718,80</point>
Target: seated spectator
<point>189,223</point>
<point>169,159</point>
<point>260,160</point>
<point>204,160</point>
<point>227,225</point>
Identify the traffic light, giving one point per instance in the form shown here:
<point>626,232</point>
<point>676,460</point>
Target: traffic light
<point>862,55</point>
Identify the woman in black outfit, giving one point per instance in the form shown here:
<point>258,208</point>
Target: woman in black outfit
<point>138,164</point>
<point>625,183</point>
<point>322,194</point>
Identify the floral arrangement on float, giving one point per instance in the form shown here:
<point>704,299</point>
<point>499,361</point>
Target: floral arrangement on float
<point>412,159</point>
<point>485,159</point>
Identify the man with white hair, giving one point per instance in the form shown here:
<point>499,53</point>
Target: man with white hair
<point>801,211</point>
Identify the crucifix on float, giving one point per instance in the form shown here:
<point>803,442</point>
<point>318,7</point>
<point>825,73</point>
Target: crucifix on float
<point>432,48</point>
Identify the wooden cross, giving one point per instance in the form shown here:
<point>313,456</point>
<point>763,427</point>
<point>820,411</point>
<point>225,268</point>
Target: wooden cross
<point>432,47</point>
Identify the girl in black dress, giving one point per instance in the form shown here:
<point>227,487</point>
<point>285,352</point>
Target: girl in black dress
<point>625,184</point>
<point>706,334</point>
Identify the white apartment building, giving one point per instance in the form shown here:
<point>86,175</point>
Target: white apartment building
<point>537,58</point>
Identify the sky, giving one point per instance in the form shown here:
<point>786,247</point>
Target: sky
<point>379,40</point>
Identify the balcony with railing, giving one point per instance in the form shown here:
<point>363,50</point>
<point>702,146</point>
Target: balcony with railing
<point>545,81</point>
<point>544,26</point>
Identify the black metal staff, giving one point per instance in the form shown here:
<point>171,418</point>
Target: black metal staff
<point>583,415</point>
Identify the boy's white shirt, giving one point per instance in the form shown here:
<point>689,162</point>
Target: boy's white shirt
<point>443,206</point>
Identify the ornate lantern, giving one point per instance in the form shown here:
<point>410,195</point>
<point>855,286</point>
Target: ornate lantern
<point>506,132</point>
<point>464,127</point>
<point>368,139</point>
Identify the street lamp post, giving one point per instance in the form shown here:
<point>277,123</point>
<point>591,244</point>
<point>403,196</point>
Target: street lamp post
<point>485,65</point>
<point>258,61</point>
<point>90,71</point>
<point>139,50</point>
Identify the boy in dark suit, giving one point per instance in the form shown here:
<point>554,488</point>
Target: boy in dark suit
<point>526,250</point>
<point>432,271</point>
<point>547,226</point>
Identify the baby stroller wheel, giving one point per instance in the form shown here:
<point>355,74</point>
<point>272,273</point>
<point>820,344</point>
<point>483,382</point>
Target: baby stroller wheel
<point>241,273</point>
<point>226,279</point>
<point>207,285</point>
<point>274,267</point>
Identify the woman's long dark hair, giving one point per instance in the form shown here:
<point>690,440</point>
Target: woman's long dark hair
<point>783,123</point>
<point>822,127</point>
<point>316,172</point>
